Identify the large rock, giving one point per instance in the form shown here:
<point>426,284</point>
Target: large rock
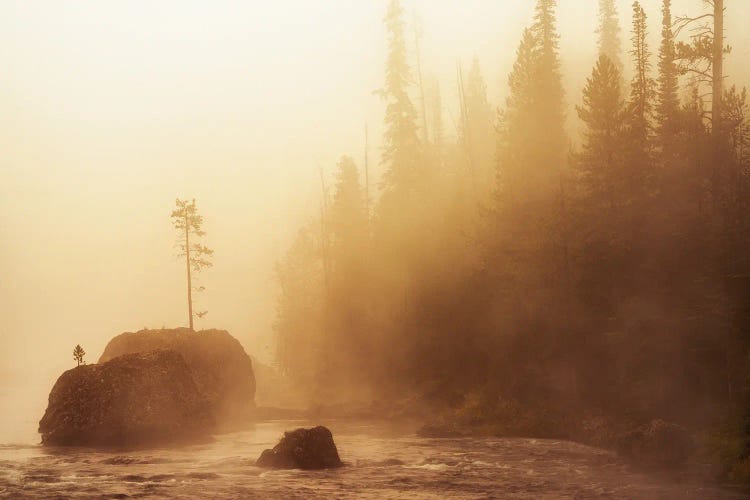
<point>222,370</point>
<point>303,449</point>
<point>657,443</point>
<point>137,399</point>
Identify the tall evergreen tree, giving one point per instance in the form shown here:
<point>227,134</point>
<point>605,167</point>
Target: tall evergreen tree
<point>189,223</point>
<point>547,92</point>
<point>476,131</point>
<point>516,124</point>
<point>609,33</point>
<point>641,88</point>
<point>600,161</point>
<point>400,154</point>
<point>299,311</point>
<point>602,194</point>
<point>667,107</point>
<point>348,221</point>
<point>345,338</point>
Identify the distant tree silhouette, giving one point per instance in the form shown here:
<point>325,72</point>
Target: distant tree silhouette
<point>188,223</point>
<point>78,354</point>
<point>642,86</point>
<point>594,282</point>
<point>400,154</point>
<point>667,107</point>
<point>703,60</point>
<point>600,162</point>
<point>547,91</point>
<point>640,112</point>
<point>476,129</point>
<point>609,33</point>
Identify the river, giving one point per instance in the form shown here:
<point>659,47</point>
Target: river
<point>381,462</point>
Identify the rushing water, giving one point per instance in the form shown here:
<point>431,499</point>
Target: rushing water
<point>381,462</point>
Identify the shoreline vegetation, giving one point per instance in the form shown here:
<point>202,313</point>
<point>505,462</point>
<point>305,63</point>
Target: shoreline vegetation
<point>525,281</point>
<point>692,451</point>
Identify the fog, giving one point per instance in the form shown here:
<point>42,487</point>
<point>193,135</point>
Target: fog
<point>110,111</point>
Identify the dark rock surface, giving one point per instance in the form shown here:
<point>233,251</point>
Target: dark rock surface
<point>657,443</point>
<point>222,370</point>
<point>137,399</point>
<point>303,449</point>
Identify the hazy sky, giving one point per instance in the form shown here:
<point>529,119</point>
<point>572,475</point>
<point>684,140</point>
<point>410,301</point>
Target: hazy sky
<point>111,110</point>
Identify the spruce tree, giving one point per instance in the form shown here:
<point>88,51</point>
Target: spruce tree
<point>609,33</point>
<point>348,220</point>
<point>547,92</point>
<point>477,131</point>
<point>400,155</point>
<point>642,86</point>
<point>516,124</point>
<point>667,109</point>
<point>600,161</point>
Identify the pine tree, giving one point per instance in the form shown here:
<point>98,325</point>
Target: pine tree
<point>515,123</point>
<point>529,235</point>
<point>348,220</point>
<point>401,145</point>
<point>602,189</point>
<point>345,326</point>
<point>667,108</point>
<point>189,223</point>
<point>609,33</point>
<point>78,354</point>
<point>476,131</point>
<point>641,90</point>
<point>525,164</point>
<point>600,161</point>
<point>299,311</point>
<point>547,92</point>
<point>703,58</point>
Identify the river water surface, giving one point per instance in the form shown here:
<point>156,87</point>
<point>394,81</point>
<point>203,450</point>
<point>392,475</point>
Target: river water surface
<point>381,462</point>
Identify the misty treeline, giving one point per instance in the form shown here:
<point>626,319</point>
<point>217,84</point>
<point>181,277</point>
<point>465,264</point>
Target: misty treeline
<point>601,273</point>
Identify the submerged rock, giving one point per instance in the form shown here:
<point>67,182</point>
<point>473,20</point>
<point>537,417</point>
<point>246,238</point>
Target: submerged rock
<point>657,443</point>
<point>136,399</point>
<point>222,370</point>
<point>302,449</point>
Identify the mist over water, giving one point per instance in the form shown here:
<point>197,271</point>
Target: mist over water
<point>499,247</point>
<point>380,462</point>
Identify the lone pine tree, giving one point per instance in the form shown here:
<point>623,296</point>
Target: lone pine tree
<point>188,223</point>
<point>78,354</point>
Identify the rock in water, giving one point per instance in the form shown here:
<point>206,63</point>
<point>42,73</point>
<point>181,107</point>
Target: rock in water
<point>303,449</point>
<point>658,443</point>
<point>137,399</point>
<point>222,370</point>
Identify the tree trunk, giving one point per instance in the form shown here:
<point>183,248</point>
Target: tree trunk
<point>187,262</point>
